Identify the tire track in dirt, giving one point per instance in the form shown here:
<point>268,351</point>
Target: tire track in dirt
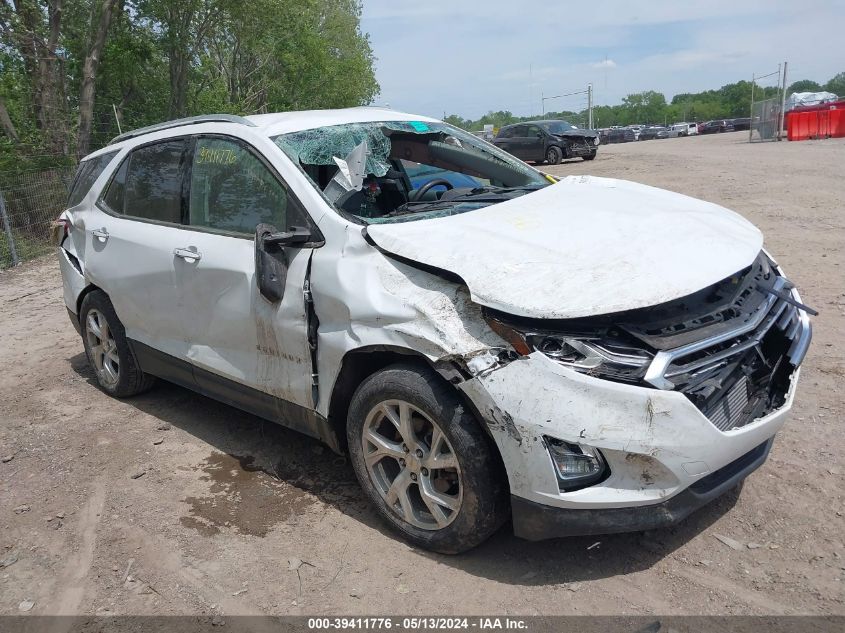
<point>157,554</point>
<point>72,582</point>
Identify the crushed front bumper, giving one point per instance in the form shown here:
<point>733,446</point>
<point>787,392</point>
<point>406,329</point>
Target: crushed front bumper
<point>665,458</point>
<point>582,149</point>
<point>536,522</point>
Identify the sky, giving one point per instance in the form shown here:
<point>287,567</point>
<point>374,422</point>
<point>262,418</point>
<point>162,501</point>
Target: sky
<point>467,57</point>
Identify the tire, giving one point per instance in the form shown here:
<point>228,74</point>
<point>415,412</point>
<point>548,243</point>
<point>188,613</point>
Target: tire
<point>98,321</point>
<point>591,155</point>
<point>554,155</point>
<point>474,488</point>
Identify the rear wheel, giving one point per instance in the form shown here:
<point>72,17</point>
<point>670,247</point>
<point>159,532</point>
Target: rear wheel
<point>424,462</point>
<point>554,155</point>
<point>115,366</point>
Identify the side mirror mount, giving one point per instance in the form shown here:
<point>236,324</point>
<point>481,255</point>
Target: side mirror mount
<point>271,261</point>
<point>296,235</point>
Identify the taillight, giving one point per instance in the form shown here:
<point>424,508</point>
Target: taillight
<point>59,230</point>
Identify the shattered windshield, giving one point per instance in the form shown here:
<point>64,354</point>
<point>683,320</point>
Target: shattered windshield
<point>400,171</point>
<point>557,127</point>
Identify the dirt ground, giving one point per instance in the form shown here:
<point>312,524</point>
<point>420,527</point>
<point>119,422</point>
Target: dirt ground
<point>170,503</point>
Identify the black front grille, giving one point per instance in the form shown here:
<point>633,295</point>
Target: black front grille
<point>736,381</point>
<point>728,411</point>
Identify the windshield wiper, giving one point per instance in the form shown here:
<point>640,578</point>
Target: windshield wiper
<point>475,196</point>
<point>420,206</point>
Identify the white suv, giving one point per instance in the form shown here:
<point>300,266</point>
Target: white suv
<point>584,356</point>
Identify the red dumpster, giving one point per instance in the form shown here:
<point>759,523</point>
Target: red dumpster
<point>818,121</point>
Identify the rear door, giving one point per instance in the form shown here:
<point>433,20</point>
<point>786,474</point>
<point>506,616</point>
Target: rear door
<point>233,332</point>
<point>130,238</point>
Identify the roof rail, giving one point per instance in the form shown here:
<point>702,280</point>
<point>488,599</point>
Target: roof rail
<point>191,120</point>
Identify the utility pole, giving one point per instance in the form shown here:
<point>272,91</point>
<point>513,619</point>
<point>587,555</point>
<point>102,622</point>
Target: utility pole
<point>7,227</point>
<point>782,115</point>
<point>751,114</point>
<point>589,106</point>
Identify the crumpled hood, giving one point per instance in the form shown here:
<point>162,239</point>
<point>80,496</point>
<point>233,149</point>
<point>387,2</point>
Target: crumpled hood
<point>584,246</point>
<point>578,134</point>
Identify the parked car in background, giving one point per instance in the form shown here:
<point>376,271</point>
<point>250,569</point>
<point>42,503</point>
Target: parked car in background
<point>616,135</point>
<point>652,132</point>
<point>636,129</point>
<point>547,141</point>
<point>716,126</point>
<point>577,357</point>
<point>742,123</point>
<point>684,129</point>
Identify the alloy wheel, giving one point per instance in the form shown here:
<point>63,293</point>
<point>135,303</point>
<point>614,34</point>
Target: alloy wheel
<point>412,465</point>
<point>102,347</point>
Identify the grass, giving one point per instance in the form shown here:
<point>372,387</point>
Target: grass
<point>26,246</point>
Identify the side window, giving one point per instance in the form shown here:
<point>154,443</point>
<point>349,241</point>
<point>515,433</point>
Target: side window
<point>153,183</point>
<point>87,172</point>
<point>116,193</point>
<point>520,131</point>
<point>532,131</point>
<point>506,133</point>
<point>232,190</point>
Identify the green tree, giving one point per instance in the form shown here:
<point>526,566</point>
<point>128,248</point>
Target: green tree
<point>73,73</point>
<point>804,85</point>
<point>836,85</point>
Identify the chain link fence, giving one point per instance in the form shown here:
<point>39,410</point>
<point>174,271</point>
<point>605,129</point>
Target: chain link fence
<point>29,202</point>
<point>765,119</point>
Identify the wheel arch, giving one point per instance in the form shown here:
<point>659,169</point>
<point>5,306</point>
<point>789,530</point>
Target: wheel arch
<point>85,292</point>
<point>361,363</point>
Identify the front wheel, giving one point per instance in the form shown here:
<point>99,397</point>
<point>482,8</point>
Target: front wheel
<point>591,155</point>
<point>554,155</point>
<point>423,461</point>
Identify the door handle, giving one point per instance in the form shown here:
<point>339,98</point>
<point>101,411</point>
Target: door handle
<point>190,255</point>
<point>101,234</point>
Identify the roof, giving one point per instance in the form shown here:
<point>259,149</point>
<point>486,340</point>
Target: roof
<point>284,122</point>
<point>273,124</point>
<point>536,122</point>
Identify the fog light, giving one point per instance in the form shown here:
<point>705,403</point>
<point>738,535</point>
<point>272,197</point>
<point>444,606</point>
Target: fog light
<point>576,466</point>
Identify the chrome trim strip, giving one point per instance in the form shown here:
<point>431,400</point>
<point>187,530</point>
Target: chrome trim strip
<point>800,345</point>
<point>736,349</point>
<point>191,120</point>
<point>656,373</point>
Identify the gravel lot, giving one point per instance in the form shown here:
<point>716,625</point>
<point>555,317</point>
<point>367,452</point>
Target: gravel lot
<point>231,515</point>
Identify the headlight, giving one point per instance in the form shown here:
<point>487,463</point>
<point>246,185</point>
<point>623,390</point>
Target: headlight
<point>576,466</point>
<point>596,141</point>
<point>595,354</point>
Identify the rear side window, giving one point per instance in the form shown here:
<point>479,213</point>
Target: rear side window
<point>87,172</point>
<point>148,184</point>
<point>116,193</point>
<point>232,190</point>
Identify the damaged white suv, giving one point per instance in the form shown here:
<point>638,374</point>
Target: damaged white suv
<point>584,356</point>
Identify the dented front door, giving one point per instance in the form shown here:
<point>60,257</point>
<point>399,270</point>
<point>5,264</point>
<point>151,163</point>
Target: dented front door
<point>233,332</point>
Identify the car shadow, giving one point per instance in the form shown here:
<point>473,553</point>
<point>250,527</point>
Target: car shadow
<point>306,465</point>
